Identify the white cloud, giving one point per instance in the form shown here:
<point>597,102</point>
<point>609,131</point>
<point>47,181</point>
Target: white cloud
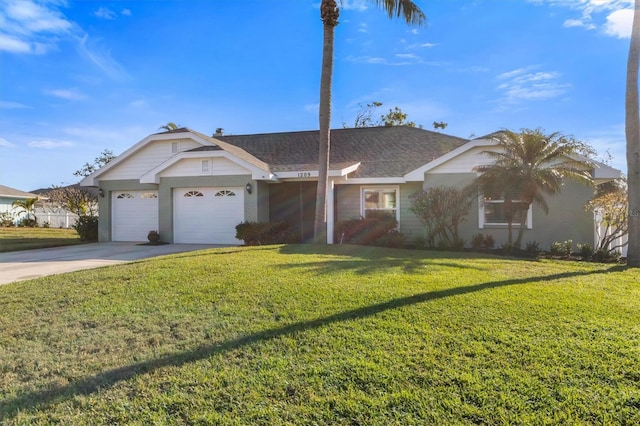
<point>126,12</point>
<point>14,45</point>
<point>67,94</point>
<point>523,84</point>
<point>613,17</point>
<point>5,143</point>
<point>619,23</point>
<point>28,27</point>
<point>312,107</point>
<point>12,105</point>
<point>105,13</point>
<point>101,57</point>
<point>50,144</point>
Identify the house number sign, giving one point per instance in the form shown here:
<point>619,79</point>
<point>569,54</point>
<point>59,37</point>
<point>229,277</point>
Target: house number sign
<point>304,174</point>
<point>634,213</point>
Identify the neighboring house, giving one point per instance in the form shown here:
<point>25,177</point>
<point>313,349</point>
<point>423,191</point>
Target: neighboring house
<point>7,197</point>
<point>52,214</point>
<point>195,189</point>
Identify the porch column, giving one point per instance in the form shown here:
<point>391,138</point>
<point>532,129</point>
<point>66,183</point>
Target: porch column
<point>330,212</point>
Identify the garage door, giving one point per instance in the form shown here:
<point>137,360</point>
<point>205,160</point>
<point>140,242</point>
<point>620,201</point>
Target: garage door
<point>207,215</point>
<point>135,213</point>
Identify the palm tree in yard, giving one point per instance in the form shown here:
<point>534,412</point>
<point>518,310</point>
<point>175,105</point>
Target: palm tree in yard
<point>27,206</point>
<point>632,130</point>
<point>528,166</point>
<point>329,13</point>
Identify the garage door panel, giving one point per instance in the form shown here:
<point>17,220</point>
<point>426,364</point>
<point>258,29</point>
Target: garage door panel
<point>134,214</point>
<point>207,215</point>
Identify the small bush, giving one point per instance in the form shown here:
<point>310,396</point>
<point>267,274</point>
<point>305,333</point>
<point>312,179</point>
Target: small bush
<point>261,233</point>
<point>47,224</point>
<point>564,248</point>
<point>481,241</point>
<point>87,228</point>
<point>477,241</point>
<point>532,249</point>
<point>585,250</point>
<point>366,231</point>
<point>27,222</point>
<point>7,219</point>
<point>393,239</point>
<point>606,256</point>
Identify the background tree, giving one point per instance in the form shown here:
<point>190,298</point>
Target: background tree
<point>395,117</point>
<point>329,13</point>
<point>76,199</point>
<point>632,131</point>
<point>527,166</point>
<point>364,117</point>
<point>105,157</point>
<point>611,213</point>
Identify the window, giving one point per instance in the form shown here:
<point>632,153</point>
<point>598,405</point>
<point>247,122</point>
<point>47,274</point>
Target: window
<point>124,195</point>
<point>493,212</point>
<point>149,195</point>
<point>205,166</point>
<point>381,199</point>
<point>193,194</point>
<point>225,193</point>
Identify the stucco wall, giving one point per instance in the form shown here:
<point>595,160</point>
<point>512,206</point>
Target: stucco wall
<point>566,220</point>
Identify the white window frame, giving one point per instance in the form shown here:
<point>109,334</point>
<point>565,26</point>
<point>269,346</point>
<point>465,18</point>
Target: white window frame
<point>380,188</point>
<point>481,215</point>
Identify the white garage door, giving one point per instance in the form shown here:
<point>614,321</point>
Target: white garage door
<point>207,215</point>
<point>135,213</point>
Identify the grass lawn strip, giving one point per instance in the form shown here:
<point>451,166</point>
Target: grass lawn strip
<point>15,239</point>
<point>325,335</point>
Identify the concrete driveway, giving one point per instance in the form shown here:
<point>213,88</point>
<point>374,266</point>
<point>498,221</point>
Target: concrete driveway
<point>29,264</point>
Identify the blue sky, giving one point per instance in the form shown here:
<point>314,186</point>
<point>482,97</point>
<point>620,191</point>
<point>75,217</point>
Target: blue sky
<point>77,77</point>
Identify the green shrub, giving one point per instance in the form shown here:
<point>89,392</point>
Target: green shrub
<point>606,256</point>
<point>87,228</point>
<point>564,248</point>
<point>366,231</point>
<point>532,249</point>
<point>261,233</point>
<point>27,222</point>
<point>586,250</point>
<point>7,219</point>
<point>481,241</point>
<point>393,239</point>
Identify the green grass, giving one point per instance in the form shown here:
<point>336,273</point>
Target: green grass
<point>307,334</point>
<point>15,239</point>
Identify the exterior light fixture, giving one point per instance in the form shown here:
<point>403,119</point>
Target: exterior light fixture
<point>101,192</point>
<point>248,188</point>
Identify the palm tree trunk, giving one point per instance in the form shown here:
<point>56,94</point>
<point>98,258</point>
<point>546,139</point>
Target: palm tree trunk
<point>329,13</point>
<point>632,130</point>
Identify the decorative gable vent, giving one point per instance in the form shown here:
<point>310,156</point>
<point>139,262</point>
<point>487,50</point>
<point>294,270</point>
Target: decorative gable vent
<point>174,147</point>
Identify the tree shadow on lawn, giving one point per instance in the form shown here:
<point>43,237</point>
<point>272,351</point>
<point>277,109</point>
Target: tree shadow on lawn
<point>106,379</point>
<point>368,259</point>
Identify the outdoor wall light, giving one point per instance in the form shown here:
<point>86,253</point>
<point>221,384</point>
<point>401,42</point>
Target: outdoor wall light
<point>101,192</point>
<point>248,188</point>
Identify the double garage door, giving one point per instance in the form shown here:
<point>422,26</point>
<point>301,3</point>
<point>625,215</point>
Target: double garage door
<point>200,215</point>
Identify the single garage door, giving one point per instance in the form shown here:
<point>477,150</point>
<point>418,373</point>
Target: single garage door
<point>135,213</point>
<point>207,215</point>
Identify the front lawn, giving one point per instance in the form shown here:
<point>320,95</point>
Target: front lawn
<point>306,334</point>
<point>14,239</point>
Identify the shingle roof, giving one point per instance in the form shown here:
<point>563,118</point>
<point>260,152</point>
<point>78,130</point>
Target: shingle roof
<point>8,192</point>
<point>382,151</point>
